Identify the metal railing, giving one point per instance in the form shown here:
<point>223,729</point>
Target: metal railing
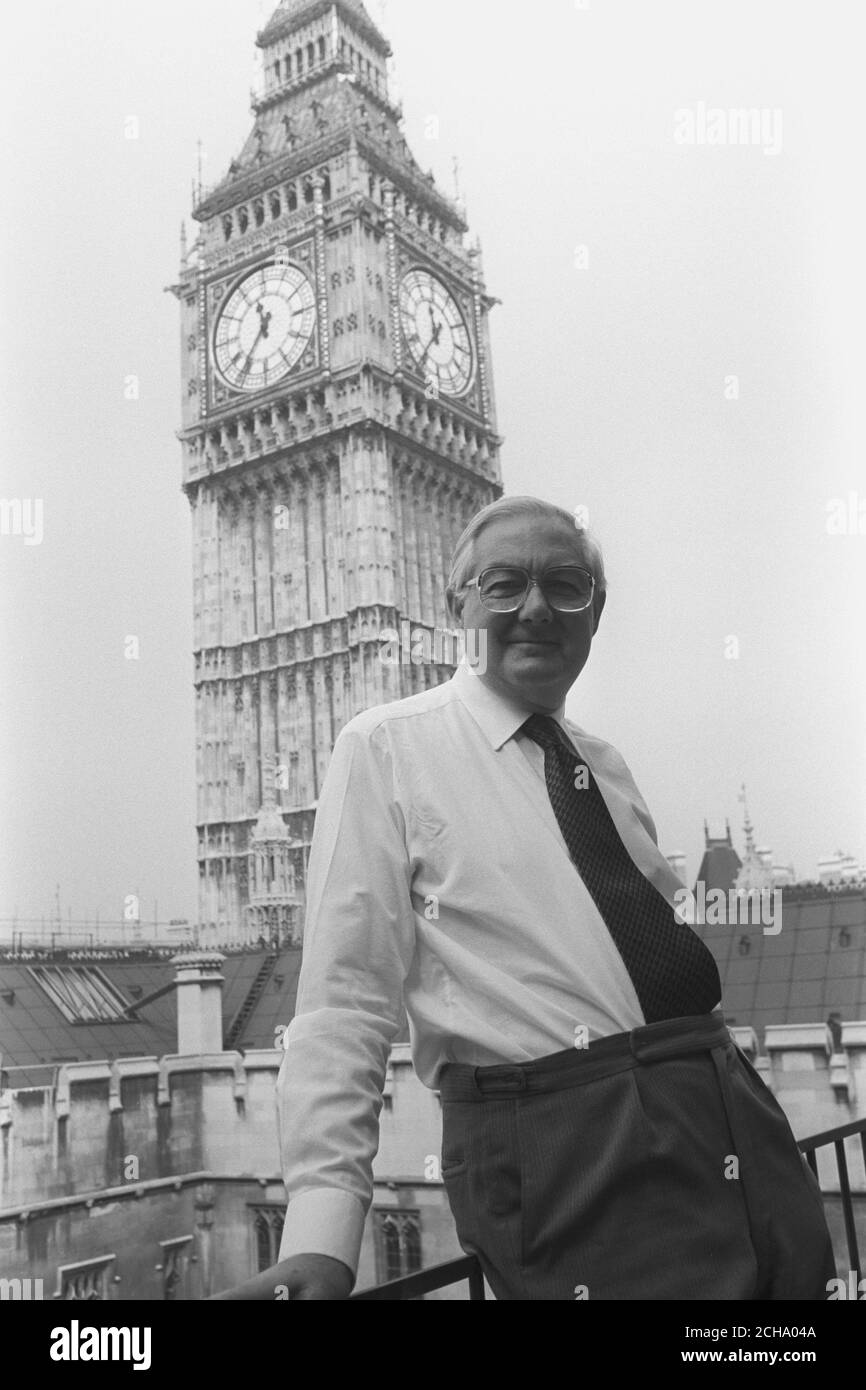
<point>455,1271</point>
<point>428,1281</point>
<point>809,1147</point>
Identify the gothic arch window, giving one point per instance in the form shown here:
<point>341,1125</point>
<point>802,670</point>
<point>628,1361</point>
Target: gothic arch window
<point>228,227</point>
<point>308,191</point>
<point>326,186</point>
<point>299,61</point>
<point>87,1282</point>
<point>175,1266</point>
<point>267,1232</point>
<point>243,219</point>
<point>277,70</point>
<point>311,55</point>
<point>276,204</point>
<point>398,1244</point>
<point>259,212</point>
<point>287,66</point>
<point>292,198</point>
<point>321,50</point>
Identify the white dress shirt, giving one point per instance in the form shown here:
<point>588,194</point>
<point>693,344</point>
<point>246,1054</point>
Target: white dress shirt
<point>439,882</point>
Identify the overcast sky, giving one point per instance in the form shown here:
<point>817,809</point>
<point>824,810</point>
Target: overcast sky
<point>639,275</point>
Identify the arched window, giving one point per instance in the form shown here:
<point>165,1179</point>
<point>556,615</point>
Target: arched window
<point>308,191</point>
<point>299,60</point>
<point>276,204</point>
<point>311,55</point>
<point>228,226</point>
<point>287,67</point>
<point>277,69</point>
<point>259,212</point>
<point>326,187</point>
<point>293,198</point>
<point>391,1249</point>
<point>243,219</point>
<point>321,50</point>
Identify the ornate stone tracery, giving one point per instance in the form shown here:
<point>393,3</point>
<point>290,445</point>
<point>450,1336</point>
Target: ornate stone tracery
<point>325,507</point>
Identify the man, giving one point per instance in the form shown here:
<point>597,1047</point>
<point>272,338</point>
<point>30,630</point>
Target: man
<point>602,1136</point>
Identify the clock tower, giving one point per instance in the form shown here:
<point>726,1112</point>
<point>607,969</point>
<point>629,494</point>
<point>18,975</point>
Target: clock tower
<point>339,431</point>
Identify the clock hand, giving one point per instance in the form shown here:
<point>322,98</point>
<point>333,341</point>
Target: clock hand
<point>434,341</point>
<point>262,333</point>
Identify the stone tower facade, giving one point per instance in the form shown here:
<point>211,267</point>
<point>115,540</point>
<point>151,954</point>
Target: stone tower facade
<point>339,431</point>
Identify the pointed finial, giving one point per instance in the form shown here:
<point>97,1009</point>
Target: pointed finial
<point>747,824</point>
<point>184,249</point>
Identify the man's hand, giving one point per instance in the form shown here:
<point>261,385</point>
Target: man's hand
<point>306,1277</point>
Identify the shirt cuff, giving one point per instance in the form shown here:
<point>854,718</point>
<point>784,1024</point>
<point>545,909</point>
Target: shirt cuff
<point>325,1221</point>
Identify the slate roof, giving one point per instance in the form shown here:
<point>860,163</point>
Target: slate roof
<point>294,12</point>
<point>815,967</point>
<point>720,864</point>
<point>34,1031</point>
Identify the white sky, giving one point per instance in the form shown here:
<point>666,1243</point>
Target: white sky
<point>704,263</point>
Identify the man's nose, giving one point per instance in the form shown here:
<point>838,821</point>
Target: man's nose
<point>535,608</point>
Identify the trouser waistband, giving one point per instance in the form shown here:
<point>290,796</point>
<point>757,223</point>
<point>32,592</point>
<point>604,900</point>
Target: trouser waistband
<point>655,1042</point>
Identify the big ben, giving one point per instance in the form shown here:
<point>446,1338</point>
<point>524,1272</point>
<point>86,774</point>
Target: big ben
<point>338,432</point>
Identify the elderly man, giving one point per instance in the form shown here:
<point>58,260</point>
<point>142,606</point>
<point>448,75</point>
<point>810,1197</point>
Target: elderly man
<point>602,1136</point>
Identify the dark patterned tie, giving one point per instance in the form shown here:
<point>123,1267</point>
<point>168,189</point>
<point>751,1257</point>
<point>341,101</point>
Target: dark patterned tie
<point>670,967</point>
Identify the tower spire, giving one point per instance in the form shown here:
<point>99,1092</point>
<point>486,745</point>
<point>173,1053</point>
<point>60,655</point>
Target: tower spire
<point>748,828</point>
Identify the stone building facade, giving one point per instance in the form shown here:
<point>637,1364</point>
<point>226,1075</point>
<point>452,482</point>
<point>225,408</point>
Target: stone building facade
<point>159,1177</point>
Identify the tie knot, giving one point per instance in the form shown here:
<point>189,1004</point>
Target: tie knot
<point>544,731</point>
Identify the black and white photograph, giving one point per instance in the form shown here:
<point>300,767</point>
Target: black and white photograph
<point>432,592</point>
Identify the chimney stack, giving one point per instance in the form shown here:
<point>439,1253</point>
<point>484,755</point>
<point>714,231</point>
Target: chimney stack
<point>199,1003</point>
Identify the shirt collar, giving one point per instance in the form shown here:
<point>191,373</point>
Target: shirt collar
<point>498,716</point>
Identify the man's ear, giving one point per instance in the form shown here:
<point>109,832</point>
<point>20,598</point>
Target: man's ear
<point>599,609</point>
<point>455,604</point>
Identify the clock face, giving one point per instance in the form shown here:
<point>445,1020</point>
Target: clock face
<point>264,327</point>
<point>436,332</point>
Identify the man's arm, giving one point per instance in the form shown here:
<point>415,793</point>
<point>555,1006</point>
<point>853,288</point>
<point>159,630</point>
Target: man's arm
<point>358,946</point>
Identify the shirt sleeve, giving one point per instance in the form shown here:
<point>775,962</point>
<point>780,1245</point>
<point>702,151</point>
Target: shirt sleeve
<point>359,941</point>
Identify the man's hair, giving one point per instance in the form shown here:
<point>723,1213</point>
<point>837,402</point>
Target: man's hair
<point>506,507</point>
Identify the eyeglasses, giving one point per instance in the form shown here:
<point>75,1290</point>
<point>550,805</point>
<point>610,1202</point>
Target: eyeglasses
<point>568,588</point>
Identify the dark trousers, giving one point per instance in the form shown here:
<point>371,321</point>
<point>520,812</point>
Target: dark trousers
<point>651,1165</point>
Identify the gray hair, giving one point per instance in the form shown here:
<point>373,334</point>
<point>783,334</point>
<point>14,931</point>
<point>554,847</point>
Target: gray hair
<point>461,562</point>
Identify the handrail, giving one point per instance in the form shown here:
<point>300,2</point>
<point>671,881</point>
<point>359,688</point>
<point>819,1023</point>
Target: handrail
<point>837,1137</point>
<point>428,1281</point>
